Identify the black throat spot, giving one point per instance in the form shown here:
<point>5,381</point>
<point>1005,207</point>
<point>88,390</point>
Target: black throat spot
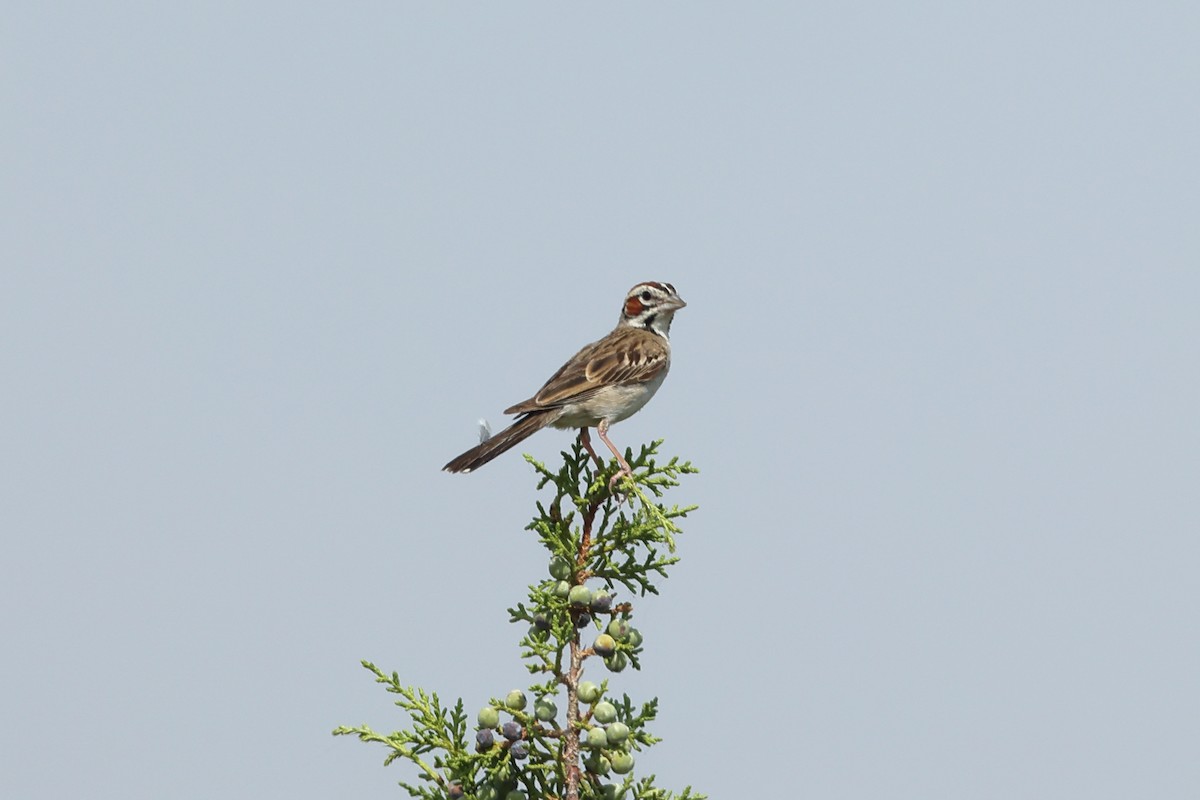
<point>648,325</point>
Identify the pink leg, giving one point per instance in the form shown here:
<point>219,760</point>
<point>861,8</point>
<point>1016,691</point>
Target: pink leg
<point>586,441</point>
<point>602,429</point>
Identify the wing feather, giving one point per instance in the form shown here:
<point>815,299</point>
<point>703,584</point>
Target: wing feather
<point>631,356</point>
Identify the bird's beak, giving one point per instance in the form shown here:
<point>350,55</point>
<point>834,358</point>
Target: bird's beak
<point>675,303</point>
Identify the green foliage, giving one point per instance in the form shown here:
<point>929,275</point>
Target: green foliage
<point>622,539</point>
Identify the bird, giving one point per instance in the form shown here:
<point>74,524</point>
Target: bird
<point>607,381</point>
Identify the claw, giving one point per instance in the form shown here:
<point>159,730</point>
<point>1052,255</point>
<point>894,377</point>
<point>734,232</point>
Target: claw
<point>621,497</point>
<point>615,479</point>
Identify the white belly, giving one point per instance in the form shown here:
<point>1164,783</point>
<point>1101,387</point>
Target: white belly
<point>613,404</point>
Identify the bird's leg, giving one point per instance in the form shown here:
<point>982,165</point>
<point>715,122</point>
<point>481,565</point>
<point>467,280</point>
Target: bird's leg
<point>602,429</point>
<point>586,441</point>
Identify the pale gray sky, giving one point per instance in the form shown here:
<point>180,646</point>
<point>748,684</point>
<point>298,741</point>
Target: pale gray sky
<point>266,264</point>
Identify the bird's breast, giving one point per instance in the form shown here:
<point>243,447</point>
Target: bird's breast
<point>611,403</point>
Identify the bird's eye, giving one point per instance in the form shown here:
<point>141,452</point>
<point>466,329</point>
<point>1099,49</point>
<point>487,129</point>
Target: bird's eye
<point>645,297</point>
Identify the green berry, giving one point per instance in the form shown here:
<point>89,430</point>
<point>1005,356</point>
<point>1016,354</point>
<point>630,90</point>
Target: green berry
<point>635,637</point>
<point>612,791</point>
<point>580,596</point>
<point>597,738</point>
<point>589,692</point>
<point>619,629</point>
<point>562,589</point>
<point>597,764</point>
<point>604,645</point>
<point>604,712</point>
<point>488,717</point>
<point>618,732</point>
<point>560,568</point>
<point>544,709</point>
<point>515,700</point>
<point>515,794</point>
<point>616,662</point>
<point>621,763</point>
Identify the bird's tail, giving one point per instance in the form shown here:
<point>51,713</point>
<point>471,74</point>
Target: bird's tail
<point>510,437</point>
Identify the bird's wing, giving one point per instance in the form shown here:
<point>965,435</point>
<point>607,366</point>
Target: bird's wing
<point>619,359</point>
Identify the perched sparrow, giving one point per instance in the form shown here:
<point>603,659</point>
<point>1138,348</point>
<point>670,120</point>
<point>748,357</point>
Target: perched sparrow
<point>605,382</point>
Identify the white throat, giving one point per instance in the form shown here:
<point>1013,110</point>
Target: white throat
<point>657,321</point>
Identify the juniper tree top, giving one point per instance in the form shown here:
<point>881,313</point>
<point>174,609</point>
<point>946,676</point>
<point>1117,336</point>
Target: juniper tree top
<point>580,736</point>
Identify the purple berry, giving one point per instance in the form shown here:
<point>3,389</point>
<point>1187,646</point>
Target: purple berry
<point>511,730</point>
<point>485,739</point>
<point>601,601</point>
<point>519,750</point>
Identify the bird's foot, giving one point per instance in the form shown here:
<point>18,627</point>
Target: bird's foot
<point>623,473</point>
